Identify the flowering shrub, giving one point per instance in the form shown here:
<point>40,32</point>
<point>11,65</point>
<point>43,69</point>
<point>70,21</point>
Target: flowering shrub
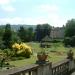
<point>22,50</point>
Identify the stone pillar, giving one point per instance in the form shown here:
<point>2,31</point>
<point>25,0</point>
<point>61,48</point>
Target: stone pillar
<point>45,69</point>
<point>71,65</point>
<point>34,72</point>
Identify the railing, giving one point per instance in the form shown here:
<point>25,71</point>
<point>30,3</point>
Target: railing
<point>29,70</point>
<point>59,68</point>
<point>21,71</point>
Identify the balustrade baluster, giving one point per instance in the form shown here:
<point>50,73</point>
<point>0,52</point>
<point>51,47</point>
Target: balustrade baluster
<point>29,73</point>
<point>34,72</point>
<point>23,73</point>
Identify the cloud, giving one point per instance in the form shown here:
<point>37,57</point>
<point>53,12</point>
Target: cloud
<point>30,21</point>
<point>46,14</point>
<point>15,20</point>
<point>3,2</point>
<point>6,5</point>
<point>8,8</point>
<point>47,8</point>
<point>50,14</point>
<point>18,20</point>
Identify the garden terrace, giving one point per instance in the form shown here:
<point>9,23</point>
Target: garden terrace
<point>63,67</point>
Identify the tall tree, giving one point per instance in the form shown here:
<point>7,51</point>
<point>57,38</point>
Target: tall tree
<point>30,34</point>
<point>70,28</point>
<point>46,29</point>
<point>7,37</point>
<point>70,33</point>
<point>42,30</point>
<point>38,33</point>
<point>15,37</point>
<point>22,33</point>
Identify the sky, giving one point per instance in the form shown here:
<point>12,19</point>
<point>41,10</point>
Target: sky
<point>33,12</point>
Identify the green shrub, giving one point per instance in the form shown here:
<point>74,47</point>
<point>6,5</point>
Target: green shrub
<point>56,40</point>
<point>14,58</point>
<point>69,41</point>
<point>73,41</point>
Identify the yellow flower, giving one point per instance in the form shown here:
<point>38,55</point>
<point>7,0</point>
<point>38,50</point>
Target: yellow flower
<point>20,48</point>
<point>16,46</point>
<point>20,51</point>
<point>29,50</point>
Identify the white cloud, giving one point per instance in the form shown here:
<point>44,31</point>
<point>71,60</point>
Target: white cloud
<point>47,8</point>
<point>3,2</point>
<point>8,8</point>
<point>34,21</point>
<point>50,15</point>
<point>18,20</point>
<point>6,5</point>
<point>15,20</point>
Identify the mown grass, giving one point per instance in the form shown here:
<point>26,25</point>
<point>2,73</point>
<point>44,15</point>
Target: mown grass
<point>56,52</point>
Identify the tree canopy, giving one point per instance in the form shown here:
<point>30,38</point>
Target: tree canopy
<point>70,33</point>
<point>70,28</point>
<point>42,30</point>
<point>7,37</point>
<point>25,35</point>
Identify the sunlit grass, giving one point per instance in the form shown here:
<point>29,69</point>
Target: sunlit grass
<point>19,63</point>
<point>60,52</point>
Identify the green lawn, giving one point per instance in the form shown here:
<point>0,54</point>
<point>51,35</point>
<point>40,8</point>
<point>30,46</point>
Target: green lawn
<point>56,53</point>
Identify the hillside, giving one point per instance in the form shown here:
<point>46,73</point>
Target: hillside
<point>16,27</point>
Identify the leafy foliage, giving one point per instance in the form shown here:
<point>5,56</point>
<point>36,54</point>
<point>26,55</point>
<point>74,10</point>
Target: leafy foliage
<point>22,33</point>
<point>69,41</point>
<point>42,31</point>
<point>70,28</point>
<point>25,35</point>
<point>15,37</point>
<point>70,33</point>
<point>7,37</point>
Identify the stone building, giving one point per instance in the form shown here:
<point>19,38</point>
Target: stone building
<point>57,32</point>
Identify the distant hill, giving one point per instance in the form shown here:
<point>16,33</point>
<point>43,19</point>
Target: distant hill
<point>16,27</point>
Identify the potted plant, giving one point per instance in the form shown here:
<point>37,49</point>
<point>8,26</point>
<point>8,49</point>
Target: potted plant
<point>70,55</point>
<point>42,56</point>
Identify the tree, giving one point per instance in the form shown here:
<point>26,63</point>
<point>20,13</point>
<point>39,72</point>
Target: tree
<point>46,29</point>
<point>1,32</point>
<point>38,33</point>
<point>30,34</point>
<point>7,37</point>
<point>70,28</point>
<point>42,30</point>
<point>22,33</point>
<point>1,35</point>
<point>26,35</point>
<point>15,37</point>
<point>70,33</point>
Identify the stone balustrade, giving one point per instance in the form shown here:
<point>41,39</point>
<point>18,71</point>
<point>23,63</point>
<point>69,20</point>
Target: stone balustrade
<point>63,67</point>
